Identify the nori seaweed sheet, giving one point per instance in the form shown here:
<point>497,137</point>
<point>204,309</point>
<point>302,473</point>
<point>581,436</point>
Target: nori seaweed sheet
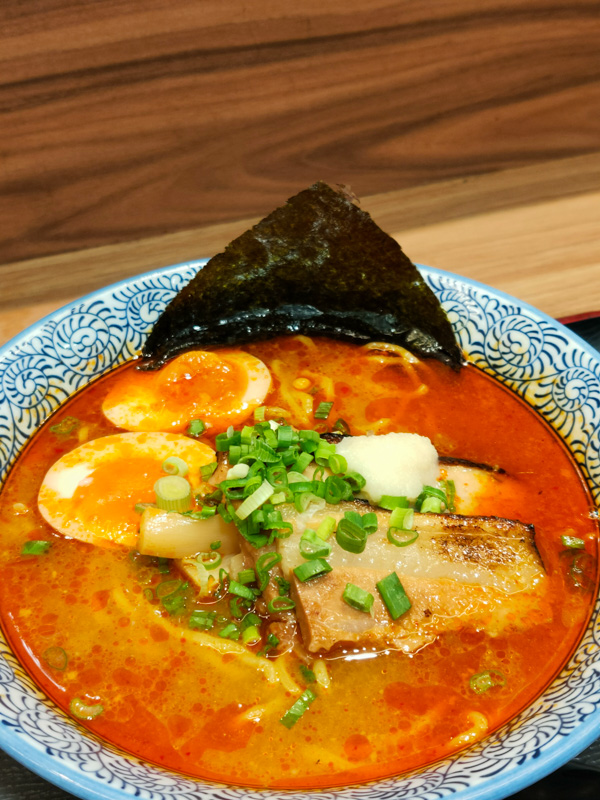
<point>317,265</point>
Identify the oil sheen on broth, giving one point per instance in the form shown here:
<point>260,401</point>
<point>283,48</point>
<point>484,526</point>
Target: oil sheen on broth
<point>88,623</point>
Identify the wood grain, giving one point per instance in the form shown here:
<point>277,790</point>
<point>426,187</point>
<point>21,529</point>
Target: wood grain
<point>532,232</point>
<point>122,120</point>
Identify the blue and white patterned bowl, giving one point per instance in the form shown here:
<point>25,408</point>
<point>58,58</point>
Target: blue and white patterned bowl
<point>552,369</point>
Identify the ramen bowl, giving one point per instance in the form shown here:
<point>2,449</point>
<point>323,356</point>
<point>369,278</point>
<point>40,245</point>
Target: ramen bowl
<point>550,368</point>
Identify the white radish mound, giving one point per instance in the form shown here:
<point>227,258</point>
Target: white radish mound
<point>398,464</point>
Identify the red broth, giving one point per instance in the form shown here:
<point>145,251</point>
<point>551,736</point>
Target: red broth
<point>194,710</point>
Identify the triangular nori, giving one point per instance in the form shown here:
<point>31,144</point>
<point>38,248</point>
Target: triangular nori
<point>317,266</point>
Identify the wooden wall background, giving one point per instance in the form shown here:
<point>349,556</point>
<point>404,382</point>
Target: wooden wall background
<point>121,120</point>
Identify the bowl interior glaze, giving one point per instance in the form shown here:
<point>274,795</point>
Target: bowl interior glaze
<point>553,370</point>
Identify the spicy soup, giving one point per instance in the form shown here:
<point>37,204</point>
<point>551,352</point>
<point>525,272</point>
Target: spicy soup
<point>89,625</point>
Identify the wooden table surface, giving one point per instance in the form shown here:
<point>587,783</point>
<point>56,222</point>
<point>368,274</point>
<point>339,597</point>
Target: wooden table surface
<point>533,232</point>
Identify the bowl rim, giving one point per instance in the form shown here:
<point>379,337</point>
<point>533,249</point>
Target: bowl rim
<point>60,773</point>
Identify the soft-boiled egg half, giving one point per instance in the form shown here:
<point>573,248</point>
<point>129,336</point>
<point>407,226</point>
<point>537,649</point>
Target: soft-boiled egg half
<point>90,493</point>
<point>221,389</point>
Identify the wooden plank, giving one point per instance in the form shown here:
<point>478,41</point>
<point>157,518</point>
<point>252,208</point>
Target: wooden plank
<point>120,121</point>
<point>514,230</point>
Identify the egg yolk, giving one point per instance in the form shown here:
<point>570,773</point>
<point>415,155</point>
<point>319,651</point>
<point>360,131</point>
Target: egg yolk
<point>105,504</point>
<point>220,389</point>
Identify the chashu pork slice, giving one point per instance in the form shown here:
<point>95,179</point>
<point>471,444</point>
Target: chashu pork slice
<point>480,572</point>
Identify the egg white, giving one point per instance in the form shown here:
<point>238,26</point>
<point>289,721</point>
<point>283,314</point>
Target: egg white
<point>90,493</point>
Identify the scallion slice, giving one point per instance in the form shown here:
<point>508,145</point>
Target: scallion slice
<point>35,547</point>
<point>173,465</point>
<point>313,546</point>
<point>230,631</point>
<point>390,502</point>
<point>207,470</point>
<point>341,426</point>
<point>239,589</point>
<point>173,493</point>
<point>300,707</point>
<point>326,528</point>
<point>312,569</point>
<point>81,710</point>
<point>393,595</point>
<point>196,427</point>
<point>401,538</point>
<point>402,518</point>
<point>280,603</point>
<point>338,464</point>
<point>251,635</point>
<point>431,505</point>
<point>246,576</point>
<point>56,658</point>
<point>210,560</point>
<point>431,491</point>
<point>202,620</point>
<point>323,410</point>
<point>255,500</point>
<point>358,598</point>
<point>350,536</point>
<point>484,681</point>
<point>572,542</point>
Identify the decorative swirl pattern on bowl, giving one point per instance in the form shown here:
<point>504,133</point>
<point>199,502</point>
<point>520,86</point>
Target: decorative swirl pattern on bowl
<point>545,364</point>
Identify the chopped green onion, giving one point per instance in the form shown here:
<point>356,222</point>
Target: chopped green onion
<point>202,620</point>
<point>326,528</point>
<point>246,576</point>
<point>264,565</point>
<point>280,603</point>
<point>210,560</point>
<point>338,464</point>
<point>323,452</point>
<point>215,545</point>
<point>341,426</point>
<point>484,681</point>
<point>370,522</point>
<point>173,465</point>
<point>230,631</point>
<point>393,595</point>
<point>311,569</point>
<point>35,547</point>
<point>207,470</point>
<point>335,489</point>
<point>259,413</point>
<point>238,471</point>
<point>313,546</point>
<point>356,480</point>
<point>65,427</point>
<point>431,491</point>
<point>401,538</point>
<point>256,499</point>
<point>572,542</point>
<point>196,427</point>
<point>251,635</point>
<point>302,462</point>
<point>431,505</point>
<point>450,489</point>
<point>278,498</point>
<point>167,588</point>
<point>402,518</point>
<point>82,711</point>
<point>56,658</point>
<point>323,410</point>
<point>173,493</point>
<point>358,598</point>
<point>307,673</point>
<point>238,607</point>
<point>390,502</point>
<point>293,714</point>
<point>139,508</point>
<point>350,536</point>
<point>270,644</point>
<point>240,590</point>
